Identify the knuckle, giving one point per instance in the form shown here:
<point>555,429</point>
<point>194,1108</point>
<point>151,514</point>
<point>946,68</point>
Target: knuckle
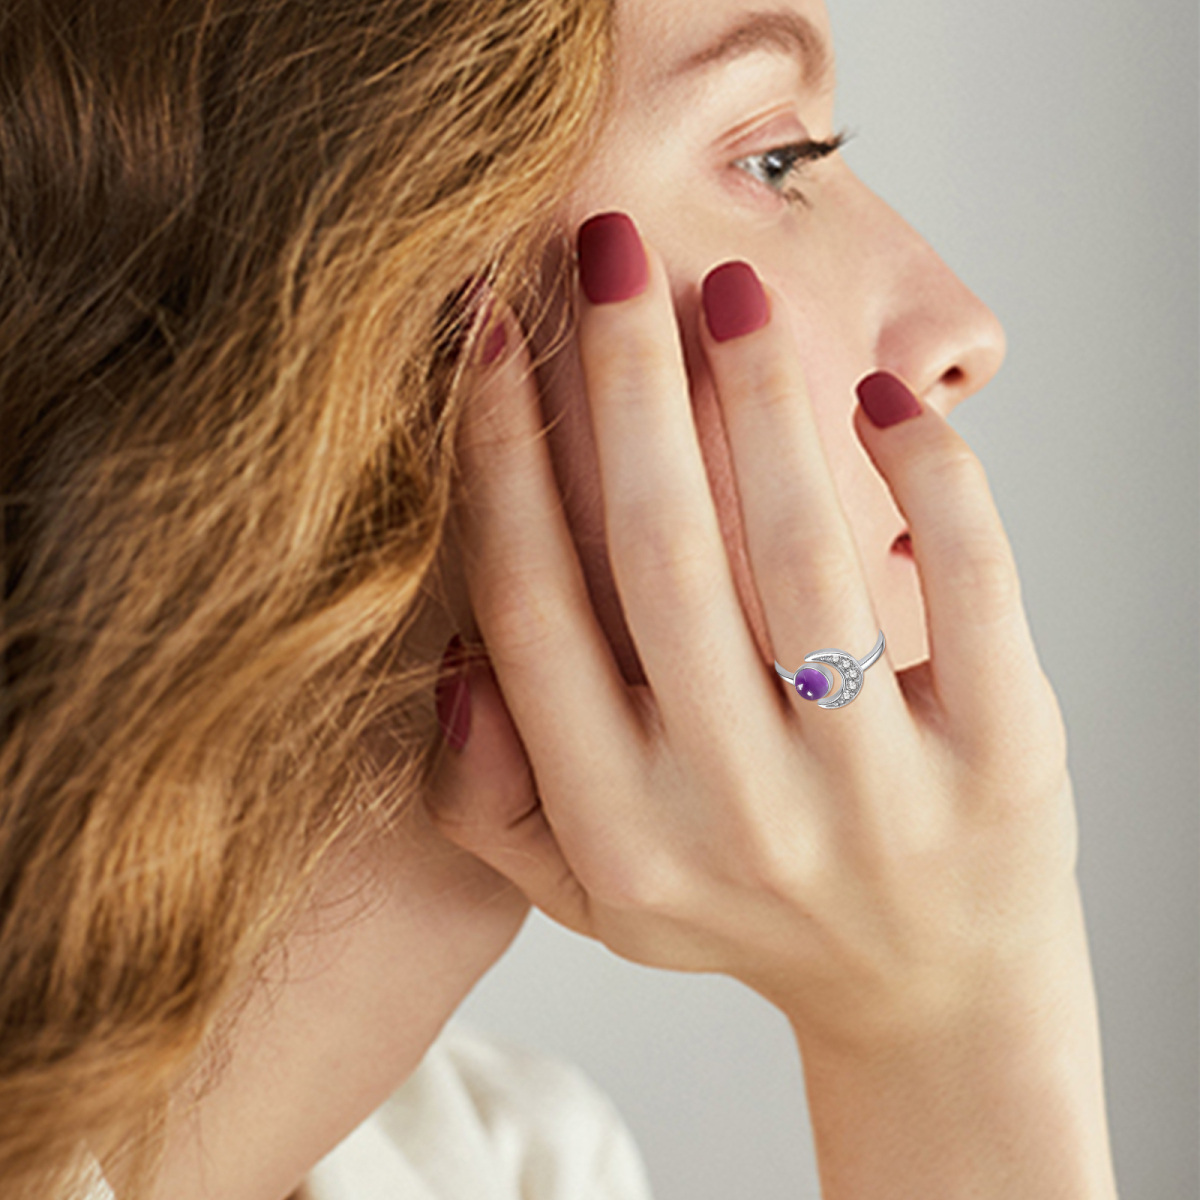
<point>623,375</point>
<point>1015,756</point>
<point>1045,704</point>
<point>955,467</point>
<point>524,615</point>
<point>766,844</point>
<point>822,571</point>
<point>676,553</point>
<point>766,383</point>
<point>779,862</point>
<point>974,557</point>
<point>515,801</point>
<point>649,882</point>
<point>986,573</point>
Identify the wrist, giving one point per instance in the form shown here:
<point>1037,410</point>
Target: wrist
<point>999,1100</point>
<point>1000,992</point>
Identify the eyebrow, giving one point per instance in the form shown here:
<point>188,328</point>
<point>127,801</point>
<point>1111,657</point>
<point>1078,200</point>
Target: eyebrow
<point>783,30</point>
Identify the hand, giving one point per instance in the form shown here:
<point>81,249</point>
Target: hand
<point>872,870</point>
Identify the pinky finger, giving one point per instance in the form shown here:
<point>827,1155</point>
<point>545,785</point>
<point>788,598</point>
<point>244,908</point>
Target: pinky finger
<point>981,647</point>
<point>483,798</point>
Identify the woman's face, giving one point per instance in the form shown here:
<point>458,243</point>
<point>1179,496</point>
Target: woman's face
<point>702,88</point>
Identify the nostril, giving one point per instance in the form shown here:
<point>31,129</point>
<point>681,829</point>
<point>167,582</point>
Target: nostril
<point>953,377</point>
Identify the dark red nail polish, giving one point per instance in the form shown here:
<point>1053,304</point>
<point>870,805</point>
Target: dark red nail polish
<point>612,262</point>
<point>459,312</point>
<point>494,344</point>
<point>886,399</point>
<point>453,697</point>
<point>734,301</point>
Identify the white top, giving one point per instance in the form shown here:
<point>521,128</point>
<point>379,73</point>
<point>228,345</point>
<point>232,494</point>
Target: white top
<point>481,1119</point>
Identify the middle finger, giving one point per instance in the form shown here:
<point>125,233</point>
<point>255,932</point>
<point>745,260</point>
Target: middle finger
<point>799,541</point>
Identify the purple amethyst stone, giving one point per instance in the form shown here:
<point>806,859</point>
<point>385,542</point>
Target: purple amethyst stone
<point>811,683</point>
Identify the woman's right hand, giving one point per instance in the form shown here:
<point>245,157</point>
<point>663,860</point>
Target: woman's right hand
<point>875,871</point>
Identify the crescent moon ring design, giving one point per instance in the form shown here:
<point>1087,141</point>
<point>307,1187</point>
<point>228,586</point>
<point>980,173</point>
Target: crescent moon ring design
<point>817,681</point>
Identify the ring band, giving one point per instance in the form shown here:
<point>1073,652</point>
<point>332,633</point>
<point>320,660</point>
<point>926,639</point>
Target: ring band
<point>816,681</point>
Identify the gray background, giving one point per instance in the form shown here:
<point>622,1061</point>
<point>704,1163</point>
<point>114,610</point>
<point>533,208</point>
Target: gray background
<point>1048,150</point>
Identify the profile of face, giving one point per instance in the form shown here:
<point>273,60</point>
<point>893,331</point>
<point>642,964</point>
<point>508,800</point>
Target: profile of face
<point>713,102</point>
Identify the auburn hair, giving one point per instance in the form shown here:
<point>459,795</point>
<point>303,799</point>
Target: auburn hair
<point>233,243</point>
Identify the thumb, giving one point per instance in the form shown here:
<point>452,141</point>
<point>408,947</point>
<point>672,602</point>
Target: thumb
<point>483,794</point>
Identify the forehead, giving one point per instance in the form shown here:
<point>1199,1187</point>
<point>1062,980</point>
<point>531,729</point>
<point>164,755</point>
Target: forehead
<point>667,46</point>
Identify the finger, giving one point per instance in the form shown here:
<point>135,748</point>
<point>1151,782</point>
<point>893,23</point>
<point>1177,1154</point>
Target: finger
<point>801,548</point>
<point>482,797</point>
<point>980,644</point>
<point>665,546</point>
<point>530,601</point>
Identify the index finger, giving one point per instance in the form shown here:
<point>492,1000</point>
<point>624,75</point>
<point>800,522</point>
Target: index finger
<point>666,550</point>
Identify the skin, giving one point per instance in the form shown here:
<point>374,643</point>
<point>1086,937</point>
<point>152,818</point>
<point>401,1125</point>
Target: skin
<point>864,290</point>
<point>396,939</point>
<point>366,996</point>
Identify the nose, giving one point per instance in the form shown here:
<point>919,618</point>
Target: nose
<point>932,330</point>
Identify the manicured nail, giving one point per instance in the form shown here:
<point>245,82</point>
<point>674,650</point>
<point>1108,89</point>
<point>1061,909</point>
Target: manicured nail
<point>734,301</point>
<point>459,312</point>
<point>612,263</point>
<point>886,399</point>
<point>453,697</point>
<point>495,341</point>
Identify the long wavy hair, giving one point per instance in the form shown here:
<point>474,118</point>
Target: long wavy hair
<point>233,239</point>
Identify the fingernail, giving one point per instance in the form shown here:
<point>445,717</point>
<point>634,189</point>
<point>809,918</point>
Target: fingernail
<point>453,697</point>
<point>734,301</point>
<point>494,343</point>
<point>886,399</point>
<point>462,309</point>
<point>482,308</point>
<point>612,263</point>
<point>472,306</point>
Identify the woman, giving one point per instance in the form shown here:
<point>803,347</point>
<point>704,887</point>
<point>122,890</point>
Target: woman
<point>289,291</point>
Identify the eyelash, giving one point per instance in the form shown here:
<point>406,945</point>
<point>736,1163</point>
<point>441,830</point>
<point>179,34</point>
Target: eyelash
<point>793,160</point>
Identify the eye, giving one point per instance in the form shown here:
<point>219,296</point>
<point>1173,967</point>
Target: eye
<point>780,167</point>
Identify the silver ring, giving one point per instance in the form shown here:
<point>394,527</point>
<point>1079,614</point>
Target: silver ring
<point>850,668</point>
